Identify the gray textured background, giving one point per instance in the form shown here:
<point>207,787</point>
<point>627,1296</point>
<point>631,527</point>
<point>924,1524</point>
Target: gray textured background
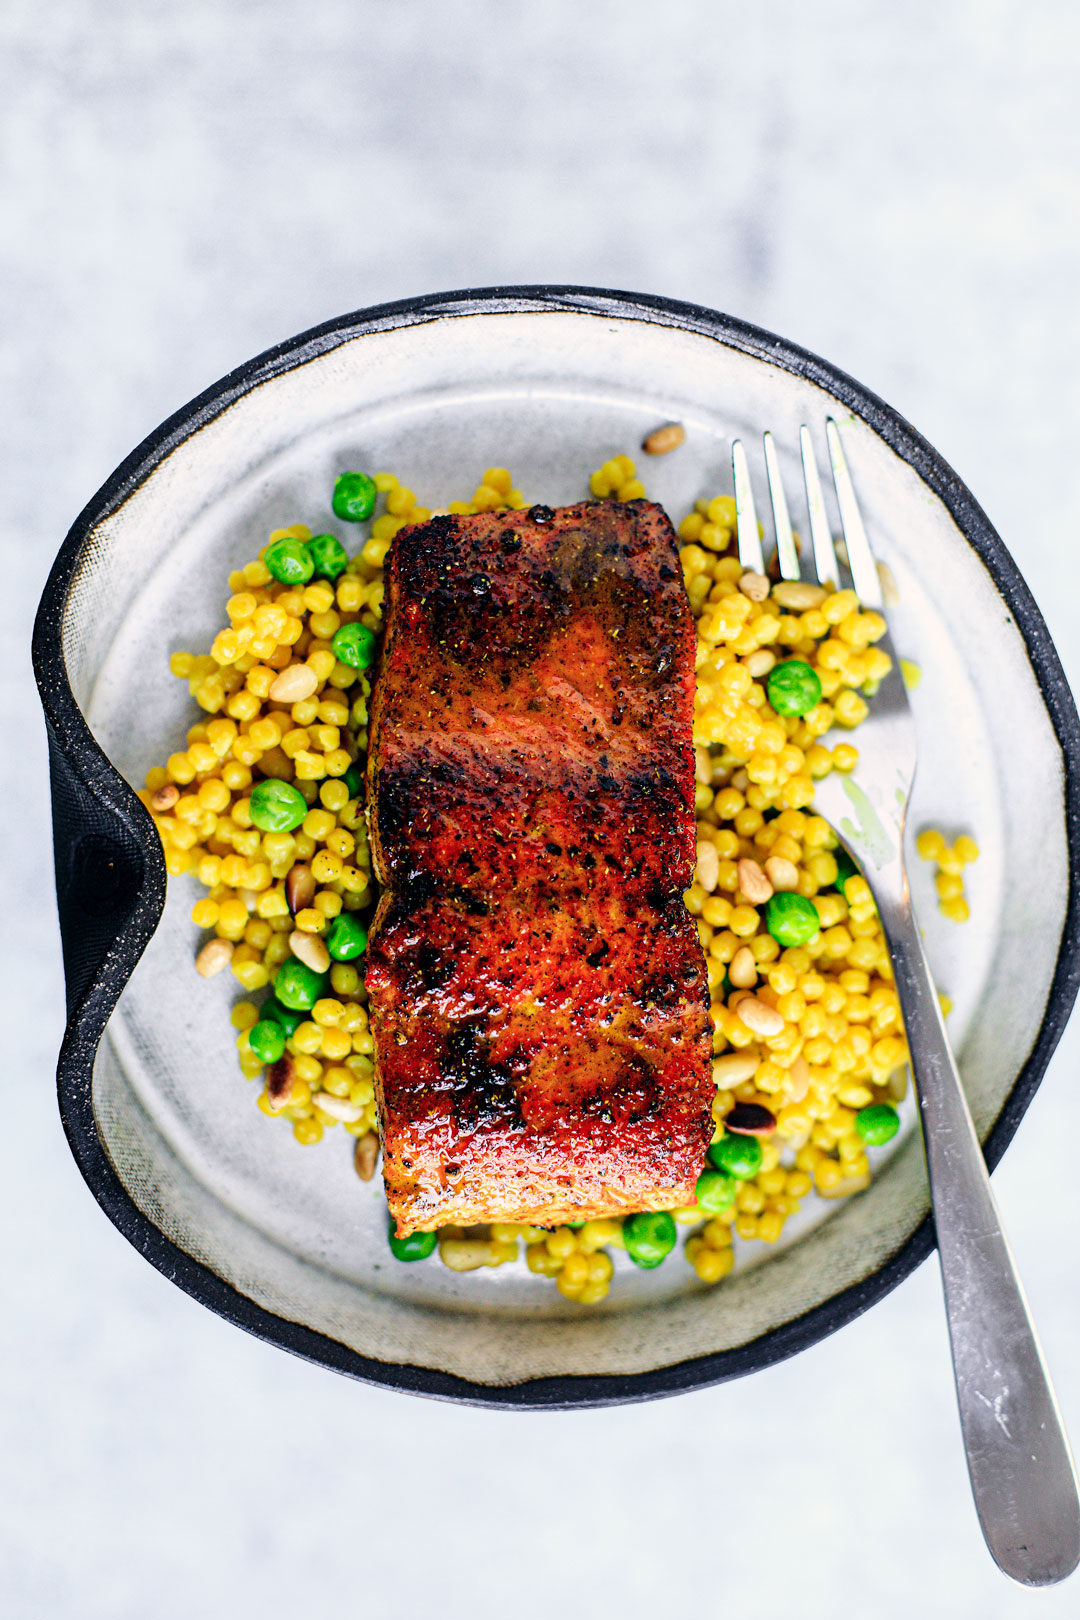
<point>896,187</point>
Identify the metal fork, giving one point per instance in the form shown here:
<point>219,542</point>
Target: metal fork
<point>1022,1473</point>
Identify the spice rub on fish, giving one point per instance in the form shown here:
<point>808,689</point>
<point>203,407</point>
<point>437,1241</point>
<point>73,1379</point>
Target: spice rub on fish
<point>537,989</point>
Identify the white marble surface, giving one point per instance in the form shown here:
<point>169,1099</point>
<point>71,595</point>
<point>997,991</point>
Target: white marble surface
<point>896,187</point>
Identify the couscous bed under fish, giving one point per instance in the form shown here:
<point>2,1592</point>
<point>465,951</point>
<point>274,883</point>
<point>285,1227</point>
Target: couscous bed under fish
<point>265,806</point>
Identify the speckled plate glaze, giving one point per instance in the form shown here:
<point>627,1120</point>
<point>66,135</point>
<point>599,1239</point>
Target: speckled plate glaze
<point>549,381</point>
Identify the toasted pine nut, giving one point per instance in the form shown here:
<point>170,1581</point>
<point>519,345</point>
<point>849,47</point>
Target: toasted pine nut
<point>702,767</point>
<point>299,888</point>
<point>798,1080</point>
<point>664,439</point>
<point>797,594</point>
<point>755,586</point>
<point>215,954</point>
<point>309,949</point>
<point>845,1187</point>
<point>164,798</point>
<point>740,780</point>
<point>750,1119</point>
<point>469,1254</point>
<point>743,969</point>
<point>759,663</point>
<point>734,1067</point>
<point>753,882</point>
<point>280,1077</point>
<point>759,1016</point>
<point>890,590</point>
<point>338,1107</point>
<point>365,1155</point>
<point>781,873</point>
<point>294,684</point>
<point>707,870</point>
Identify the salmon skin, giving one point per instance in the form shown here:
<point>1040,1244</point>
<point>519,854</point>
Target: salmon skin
<point>537,990</point>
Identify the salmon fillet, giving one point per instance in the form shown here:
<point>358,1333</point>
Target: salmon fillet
<point>537,990</point>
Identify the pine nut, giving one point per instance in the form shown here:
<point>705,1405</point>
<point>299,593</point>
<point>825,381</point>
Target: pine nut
<point>845,1187</point>
<point>469,1254</point>
<point>898,1083</point>
<point>740,780</point>
<point>309,949</point>
<point>365,1155</point>
<point>664,439</point>
<point>753,882</point>
<point>294,684</point>
<point>299,888</point>
<point>280,1079</point>
<point>781,873</point>
<point>890,591</point>
<point>733,1068</point>
<point>338,1107</point>
<point>800,596</point>
<point>755,586</point>
<point>707,870</point>
<point>750,1119</point>
<point>702,767</point>
<point>215,954</point>
<point>743,969</point>
<point>164,798</point>
<point>798,1080</point>
<point>760,1017</point>
<point>759,663</point>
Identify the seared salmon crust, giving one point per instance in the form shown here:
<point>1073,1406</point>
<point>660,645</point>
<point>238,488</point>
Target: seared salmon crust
<point>537,989</point>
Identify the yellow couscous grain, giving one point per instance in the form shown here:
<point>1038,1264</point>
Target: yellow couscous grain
<point>950,861</point>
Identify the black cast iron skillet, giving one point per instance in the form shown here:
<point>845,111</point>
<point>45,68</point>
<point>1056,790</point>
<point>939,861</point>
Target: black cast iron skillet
<point>110,876</point>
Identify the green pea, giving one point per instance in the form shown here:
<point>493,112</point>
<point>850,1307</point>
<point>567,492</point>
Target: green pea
<point>650,1238</point>
<point>877,1124</point>
<point>793,687</point>
<point>845,868</point>
<point>289,560</point>
<point>298,986</point>
<point>328,555</point>
<point>790,918</point>
<point>354,497</point>
<point>354,645</point>
<point>347,937</point>
<point>715,1191</point>
<point>738,1156</point>
<point>285,1016</point>
<point>277,806</point>
<point>267,1041</point>
<point>354,780</point>
<point>417,1246</point>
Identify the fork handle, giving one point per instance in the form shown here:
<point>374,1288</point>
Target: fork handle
<point>1022,1473</point>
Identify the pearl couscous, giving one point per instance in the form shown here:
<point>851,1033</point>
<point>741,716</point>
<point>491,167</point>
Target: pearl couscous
<point>809,1051</point>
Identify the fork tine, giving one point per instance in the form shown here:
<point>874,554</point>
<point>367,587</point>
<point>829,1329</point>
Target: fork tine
<point>750,554</point>
<point>864,574</point>
<point>820,532</point>
<point>785,540</point>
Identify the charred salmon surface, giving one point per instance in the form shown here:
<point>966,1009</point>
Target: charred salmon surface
<point>537,988</point>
